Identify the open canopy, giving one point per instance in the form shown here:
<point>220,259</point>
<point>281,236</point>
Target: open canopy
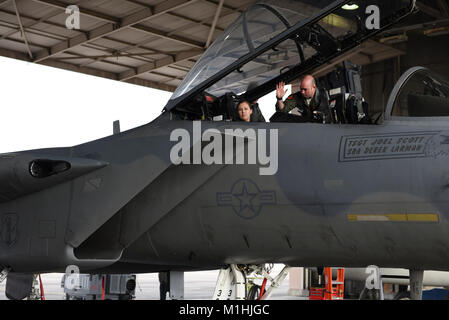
<point>260,23</point>
<point>280,40</point>
<point>420,93</point>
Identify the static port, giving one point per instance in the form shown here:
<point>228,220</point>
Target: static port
<point>47,168</point>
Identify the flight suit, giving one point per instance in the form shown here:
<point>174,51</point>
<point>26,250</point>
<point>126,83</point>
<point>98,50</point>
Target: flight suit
<point>257,115</point>
<point>319,103</point>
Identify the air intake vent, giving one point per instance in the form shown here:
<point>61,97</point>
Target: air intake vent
<point>46,168</point>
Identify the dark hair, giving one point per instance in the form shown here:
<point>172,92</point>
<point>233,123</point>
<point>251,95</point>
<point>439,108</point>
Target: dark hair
<point>244,101</point>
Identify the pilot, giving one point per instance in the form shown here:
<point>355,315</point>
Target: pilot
<point>312,103</point>
<point>244,111</point>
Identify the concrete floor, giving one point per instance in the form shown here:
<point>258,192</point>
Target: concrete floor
<point>197,286</point>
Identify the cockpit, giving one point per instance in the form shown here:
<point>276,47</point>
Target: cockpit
<point>274,41</point>
<point>419,93</point>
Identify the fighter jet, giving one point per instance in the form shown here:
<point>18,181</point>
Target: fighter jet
<point>196,189</point>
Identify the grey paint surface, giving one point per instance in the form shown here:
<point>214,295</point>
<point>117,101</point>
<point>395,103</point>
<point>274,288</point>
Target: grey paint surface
<point>168,215</point>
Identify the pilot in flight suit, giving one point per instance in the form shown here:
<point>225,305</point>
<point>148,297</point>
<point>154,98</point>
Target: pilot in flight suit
<point>312,103</point>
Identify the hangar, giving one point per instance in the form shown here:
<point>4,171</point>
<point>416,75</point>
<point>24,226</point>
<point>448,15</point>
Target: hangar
<point>155,43</point>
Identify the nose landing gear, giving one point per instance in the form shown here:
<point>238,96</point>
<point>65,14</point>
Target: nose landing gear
<point>234,280</point>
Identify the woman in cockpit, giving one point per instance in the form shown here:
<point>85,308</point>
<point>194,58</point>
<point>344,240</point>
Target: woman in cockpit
<point>244,111</point>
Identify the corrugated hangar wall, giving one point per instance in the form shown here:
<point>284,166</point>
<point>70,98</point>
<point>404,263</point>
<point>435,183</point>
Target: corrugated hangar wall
<point>378,79</point>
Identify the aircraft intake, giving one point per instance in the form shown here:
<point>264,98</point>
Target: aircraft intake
<point>25,173</point>
<point>45,168</point>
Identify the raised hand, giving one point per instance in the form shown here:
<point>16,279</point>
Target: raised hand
<point>280,90</point>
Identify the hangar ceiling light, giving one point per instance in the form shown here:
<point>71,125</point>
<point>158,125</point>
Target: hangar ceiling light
<point>350,6</point>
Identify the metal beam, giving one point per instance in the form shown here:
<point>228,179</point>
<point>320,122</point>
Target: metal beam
<point>90,71</point>
<point>214,23</point>
<point>33,23</point>
<point>30,43</point>
<point>115,25</point>
<point>152,84</point>
<point>192,22</point>
<point>73,42</point>
<point>239,9</point>
<point>3,3</point>
<point>204,21</point>
<point>30,28</point>
<point>106,74</point>
<point>79,56</point>
<point>369,56</point>
<point>324,69</point>
<point>179,68</point>
<point>420,26</point>
<point>14,55</point>
<point>131,73</point>
<point>104,56</point>
<point>444,7</point>
<point>51,35</point>
<point>86,12</point>
<point>138,56</point>
<point>140,45</point>
<point>83,38</point>
<point>84,70</point>
<point>62,65</point>
<point>361,55</point>
<point>161,8</point>
<point>94,34</point>
<point>165,35</point>
<point>24,35</point>
<point>429,10</point>
<point>170,5</point>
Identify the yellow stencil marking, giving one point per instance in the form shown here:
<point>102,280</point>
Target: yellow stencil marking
<point>395,217</point>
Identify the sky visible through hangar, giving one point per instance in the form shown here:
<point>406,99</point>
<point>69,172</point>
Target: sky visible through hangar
<point>45,107</point>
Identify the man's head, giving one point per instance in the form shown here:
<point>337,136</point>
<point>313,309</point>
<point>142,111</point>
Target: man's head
<point>308,87</point>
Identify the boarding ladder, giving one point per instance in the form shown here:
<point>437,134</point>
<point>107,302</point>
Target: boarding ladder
<point>334,289</point>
